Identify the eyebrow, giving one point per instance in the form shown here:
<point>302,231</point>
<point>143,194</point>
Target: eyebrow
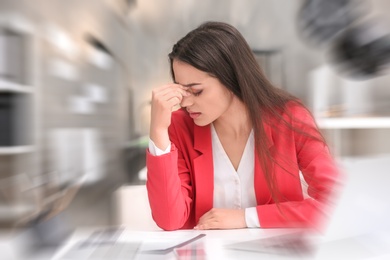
<point>190,84</point>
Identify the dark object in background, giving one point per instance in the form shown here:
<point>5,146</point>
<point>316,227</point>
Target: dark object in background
<point>97,44</point>
<point>6,115</point>
<point>319,21</point>
<point>135,160</point>
<point>14,119</point>
<point>359,48</point>
<point>362,51</point>
<point>49,233</point>
<point>41,238</point>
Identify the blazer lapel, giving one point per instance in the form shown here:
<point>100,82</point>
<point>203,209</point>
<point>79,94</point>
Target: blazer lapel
<point>203,171</point>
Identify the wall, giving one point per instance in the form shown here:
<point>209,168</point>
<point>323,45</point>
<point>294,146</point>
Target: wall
<point>157,25</point>
<point>76,19</point>
<point>109,125</point>
<point>140,43</point>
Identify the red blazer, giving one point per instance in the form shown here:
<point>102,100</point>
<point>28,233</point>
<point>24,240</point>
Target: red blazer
<point>180,183</point>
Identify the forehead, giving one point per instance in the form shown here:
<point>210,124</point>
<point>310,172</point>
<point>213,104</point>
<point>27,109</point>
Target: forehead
<point>186,74</point>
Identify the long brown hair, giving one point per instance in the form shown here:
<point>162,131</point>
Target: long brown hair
<point>219,49</point>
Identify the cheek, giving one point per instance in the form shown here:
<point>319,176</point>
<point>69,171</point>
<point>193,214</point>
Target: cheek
<point>224,101</point>
<point>217,107</point>
<point>214,104</point>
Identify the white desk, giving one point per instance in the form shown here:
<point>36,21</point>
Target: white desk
<point>217,244</point>
<point>212,246</point>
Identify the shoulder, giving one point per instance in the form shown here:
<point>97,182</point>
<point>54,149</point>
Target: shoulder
<point>292,115</point>
<point>297,108</point>
<point>296,111</point>
<point>288,111</point>
<point>301,119</point>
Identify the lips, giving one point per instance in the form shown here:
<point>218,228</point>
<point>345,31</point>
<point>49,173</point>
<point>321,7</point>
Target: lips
<point>194,115</point>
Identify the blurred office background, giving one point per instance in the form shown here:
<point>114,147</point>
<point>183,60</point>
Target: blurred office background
<point>76,78</point>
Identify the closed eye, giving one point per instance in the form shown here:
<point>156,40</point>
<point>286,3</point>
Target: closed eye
<point>197,93</point>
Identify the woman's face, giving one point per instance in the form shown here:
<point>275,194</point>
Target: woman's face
<point>209,100</point>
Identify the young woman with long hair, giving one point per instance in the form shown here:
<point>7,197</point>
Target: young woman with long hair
<point>231,157</point>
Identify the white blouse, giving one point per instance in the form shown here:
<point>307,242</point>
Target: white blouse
<point>232,189</point>
<point>235,189</point>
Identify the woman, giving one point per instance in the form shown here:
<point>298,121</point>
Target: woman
<point>231,157</point>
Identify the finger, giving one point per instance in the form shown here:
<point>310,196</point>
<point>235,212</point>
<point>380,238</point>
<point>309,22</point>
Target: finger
<point>175,101</point>
<point>175,91</point>
<point>180,94</point>
<point>169,85</point>
<point>166,102</point>
<point>205,220</point>
<point>207,225</point>
<point>166,88</point>
<point>169,94</point>
<point>201,227</point>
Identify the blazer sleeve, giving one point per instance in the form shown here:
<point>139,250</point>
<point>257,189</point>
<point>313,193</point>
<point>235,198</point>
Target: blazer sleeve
<point>320,173</point>
<point>169,187</point>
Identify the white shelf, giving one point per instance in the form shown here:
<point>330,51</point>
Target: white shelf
<point>353,122</point>
<point>15,212</point>
<point>16,22</point>
<point>6,150</point>
<point>9,86</point>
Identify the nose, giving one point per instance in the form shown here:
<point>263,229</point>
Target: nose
<point>187,101</point>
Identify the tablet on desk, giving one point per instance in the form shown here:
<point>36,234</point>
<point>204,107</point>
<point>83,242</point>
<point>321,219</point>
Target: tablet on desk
<point>112,244</point>
<point>179,244</point>
<point>117,250</point>
<point>295,244</point>
<point>103,244</point>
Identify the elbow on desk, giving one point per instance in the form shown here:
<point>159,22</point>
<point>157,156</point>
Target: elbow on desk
<point>167,224</point>
<point>169,213</point>
<point>169,220</point>
<point>164,217</point>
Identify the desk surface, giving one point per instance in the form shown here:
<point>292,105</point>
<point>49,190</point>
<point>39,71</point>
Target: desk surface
<point>233,244</point>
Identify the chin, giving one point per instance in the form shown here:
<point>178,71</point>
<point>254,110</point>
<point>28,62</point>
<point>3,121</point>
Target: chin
<point>201,122</point>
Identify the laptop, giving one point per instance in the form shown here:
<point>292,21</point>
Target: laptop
<point>359,226</point>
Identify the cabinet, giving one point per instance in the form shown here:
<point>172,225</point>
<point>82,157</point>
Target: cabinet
<point>337,124</point>
<point>353,113</point>
<point>19,120</point>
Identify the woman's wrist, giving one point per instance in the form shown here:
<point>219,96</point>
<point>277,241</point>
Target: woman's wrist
<point>160,138</point>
